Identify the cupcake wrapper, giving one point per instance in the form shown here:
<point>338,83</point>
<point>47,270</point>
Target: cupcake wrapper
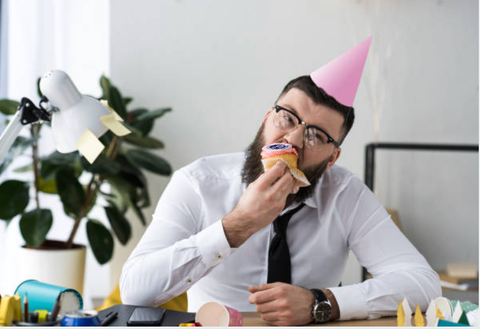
<point>302,180</point>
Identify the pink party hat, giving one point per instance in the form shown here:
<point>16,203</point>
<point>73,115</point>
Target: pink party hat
<point>341,76</point>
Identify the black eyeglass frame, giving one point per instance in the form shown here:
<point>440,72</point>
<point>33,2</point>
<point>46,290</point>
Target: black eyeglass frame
<point>300,122</point>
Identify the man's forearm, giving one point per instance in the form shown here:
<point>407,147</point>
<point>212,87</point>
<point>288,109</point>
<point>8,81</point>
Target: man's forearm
<point>235,230</point>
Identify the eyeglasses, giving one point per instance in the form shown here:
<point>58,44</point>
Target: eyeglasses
<point>315,138</point>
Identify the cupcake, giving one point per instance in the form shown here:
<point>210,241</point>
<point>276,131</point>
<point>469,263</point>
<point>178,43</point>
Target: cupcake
<point>273,153</point>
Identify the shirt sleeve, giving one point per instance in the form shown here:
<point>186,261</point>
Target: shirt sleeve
<point>398,269</point>
<point>173,253</point>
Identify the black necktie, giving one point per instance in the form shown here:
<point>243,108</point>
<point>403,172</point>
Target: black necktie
<point>279,267</point>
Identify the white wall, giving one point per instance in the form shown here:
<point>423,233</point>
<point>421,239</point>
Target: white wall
<point>221,64</point>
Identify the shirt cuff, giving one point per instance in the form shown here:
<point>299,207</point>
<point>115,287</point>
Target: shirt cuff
<point>351,302</point>
<point>213,244</point>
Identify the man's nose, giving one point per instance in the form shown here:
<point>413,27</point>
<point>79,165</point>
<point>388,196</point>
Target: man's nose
<point>295,137</point>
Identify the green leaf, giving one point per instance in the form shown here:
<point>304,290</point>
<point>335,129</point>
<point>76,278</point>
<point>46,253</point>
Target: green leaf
<point>14,198</point>
<point>35,225</point>
<point>149,162</point>
<point>144,141</point>
<point>105,84</point>
<point>39,92</point>
<point>48,170</point>
<point>152,115</point>
<point>138,193</point>
<point>70,191</point>
<point>127,100</point>
<point>56,161</point>
<point>102,165</point>
<point>100,240</point>
<point>144,126</point>
<point>133,129</point>
<point>47,186</point>
<point>115,199</point>
<point>24,169</point>
<point>115,101</point>
<point>92,204</point>
<point>8,106</point>
<point>125,190</point>
<point>119,224</point>
<point>18,148</point>
<point>60,159</point>
<point>139,213</point>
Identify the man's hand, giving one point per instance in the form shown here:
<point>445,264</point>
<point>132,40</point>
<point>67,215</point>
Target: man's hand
<point>260,204</point>
<point>283,304</point>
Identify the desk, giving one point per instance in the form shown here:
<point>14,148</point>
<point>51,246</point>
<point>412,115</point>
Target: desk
<point>252,319</point>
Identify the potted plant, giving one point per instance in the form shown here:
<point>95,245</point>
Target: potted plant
<point>115,181</point>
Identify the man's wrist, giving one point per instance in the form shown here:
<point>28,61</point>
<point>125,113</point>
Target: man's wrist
<point>236,234</point>
<point>333,302</point>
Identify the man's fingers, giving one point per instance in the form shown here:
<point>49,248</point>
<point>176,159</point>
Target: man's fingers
<point>261,297</point>
<point>273,174</point>
<point>264,286</point>
<point>263,293</point>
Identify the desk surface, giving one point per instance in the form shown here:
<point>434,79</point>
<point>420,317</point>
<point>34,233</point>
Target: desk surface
<point>252,319</point>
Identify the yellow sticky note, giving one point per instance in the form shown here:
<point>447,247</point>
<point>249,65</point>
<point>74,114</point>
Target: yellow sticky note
<point>419,321</point>
<point>110,122</point>
<point>105,103</point>
<point>89,146</point>
<point>400,315</point>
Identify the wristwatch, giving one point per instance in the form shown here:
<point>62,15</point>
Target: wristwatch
<point>322,308</point>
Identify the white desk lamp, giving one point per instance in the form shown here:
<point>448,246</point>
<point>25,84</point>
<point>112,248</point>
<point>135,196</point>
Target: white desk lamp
<point>70,112</point>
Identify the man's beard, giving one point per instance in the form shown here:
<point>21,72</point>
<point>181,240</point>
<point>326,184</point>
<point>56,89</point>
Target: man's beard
<point>253,168</point>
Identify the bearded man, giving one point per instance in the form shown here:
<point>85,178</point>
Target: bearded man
<point>213,229</point>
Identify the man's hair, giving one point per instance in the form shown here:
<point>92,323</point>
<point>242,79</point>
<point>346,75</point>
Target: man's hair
<point>319,96</point>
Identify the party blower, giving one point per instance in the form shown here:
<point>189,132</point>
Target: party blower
<point>77,120</point>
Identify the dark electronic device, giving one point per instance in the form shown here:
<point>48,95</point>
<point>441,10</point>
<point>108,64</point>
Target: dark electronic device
<point>146,316</point>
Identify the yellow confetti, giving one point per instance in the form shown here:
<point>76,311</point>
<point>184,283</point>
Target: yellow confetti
<point>438,313</point>
<point>419,321</point>
<point>400,315</point>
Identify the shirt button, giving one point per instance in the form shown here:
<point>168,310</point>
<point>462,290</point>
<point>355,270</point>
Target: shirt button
<point>219,256</point>
<point>189,280</point>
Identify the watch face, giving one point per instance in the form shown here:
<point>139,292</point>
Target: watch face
<point>323,311</point>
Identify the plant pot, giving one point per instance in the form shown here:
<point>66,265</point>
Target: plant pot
<point>52,263</point>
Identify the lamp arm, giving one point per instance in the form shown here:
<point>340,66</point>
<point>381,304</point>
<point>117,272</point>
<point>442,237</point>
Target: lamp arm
<point>26,114</point>
<point>10,134</point>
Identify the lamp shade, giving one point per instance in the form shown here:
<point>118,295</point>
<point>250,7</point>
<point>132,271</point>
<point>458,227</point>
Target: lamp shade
<point>75,112</point>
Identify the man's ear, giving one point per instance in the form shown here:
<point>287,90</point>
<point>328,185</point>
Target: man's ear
<point>334,157</point>
<point>266,115</point>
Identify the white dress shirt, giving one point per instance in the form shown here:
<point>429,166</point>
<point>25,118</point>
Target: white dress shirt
<point>185,247</point>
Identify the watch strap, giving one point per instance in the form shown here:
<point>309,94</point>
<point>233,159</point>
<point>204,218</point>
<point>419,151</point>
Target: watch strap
<point>319,295</point>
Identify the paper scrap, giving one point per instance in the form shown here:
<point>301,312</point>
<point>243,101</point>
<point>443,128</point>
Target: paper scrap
<point>89,146</point>
<point>419,321</point>
<point>457,313</point>
<point>445,323</point>
<point>105,103</point>
<point>408,313</point>
<point>463,319</point>
<point>110,122</point>
<point>430,315</point>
